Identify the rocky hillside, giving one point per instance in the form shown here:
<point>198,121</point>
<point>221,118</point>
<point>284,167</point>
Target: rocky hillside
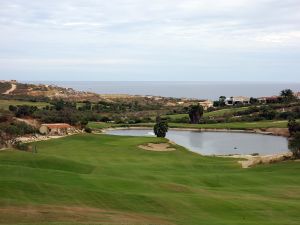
<point>50,91</point>
<point>14,88</point>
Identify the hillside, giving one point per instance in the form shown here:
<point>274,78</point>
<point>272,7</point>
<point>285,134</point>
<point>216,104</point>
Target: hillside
<point>15,89</point>
<point>48,91</point>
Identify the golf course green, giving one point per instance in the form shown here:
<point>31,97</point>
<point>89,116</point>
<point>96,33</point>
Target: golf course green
<point>101,179</point>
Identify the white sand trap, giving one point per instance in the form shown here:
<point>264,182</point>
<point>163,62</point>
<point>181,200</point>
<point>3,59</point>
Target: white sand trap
<point>161,147</point>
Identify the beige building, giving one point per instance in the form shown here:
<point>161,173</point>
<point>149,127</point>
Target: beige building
<point>56,129</point>
<point>206,104</point>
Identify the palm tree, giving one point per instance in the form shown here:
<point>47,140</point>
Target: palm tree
<point>195,113</point>
<point>287,95</point>
<point>161,127</point>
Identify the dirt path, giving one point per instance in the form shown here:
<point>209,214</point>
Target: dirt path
<point>13,87</point>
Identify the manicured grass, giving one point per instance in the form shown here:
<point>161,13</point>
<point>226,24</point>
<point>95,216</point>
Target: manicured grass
<point>4,104</point>
<point>222,112</point>
<point>236,125</point>
<point>103,179</point>
<point>217,113</point>
<point>101,125</point>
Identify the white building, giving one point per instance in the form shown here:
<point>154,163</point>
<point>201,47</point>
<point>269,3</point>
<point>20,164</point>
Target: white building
<point>237,100</point>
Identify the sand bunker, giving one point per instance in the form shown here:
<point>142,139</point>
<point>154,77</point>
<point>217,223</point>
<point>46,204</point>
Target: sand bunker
<point>267,159</point>
<point>161,147</point>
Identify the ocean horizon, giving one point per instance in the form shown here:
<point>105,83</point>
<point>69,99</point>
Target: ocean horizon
<point>179,89</point>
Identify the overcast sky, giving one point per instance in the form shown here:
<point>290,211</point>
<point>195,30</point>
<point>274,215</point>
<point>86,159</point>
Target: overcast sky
<point>248,40</point>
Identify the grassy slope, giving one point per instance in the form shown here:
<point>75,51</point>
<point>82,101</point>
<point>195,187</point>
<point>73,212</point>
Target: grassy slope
<point>4,104</point>
<point>216,113</point>
<point>110,173</point>
<point>240,125</point>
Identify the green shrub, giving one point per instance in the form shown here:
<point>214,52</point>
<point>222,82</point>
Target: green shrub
<point>88,130</point>
<point>21,146</point>
<point>294,144</point>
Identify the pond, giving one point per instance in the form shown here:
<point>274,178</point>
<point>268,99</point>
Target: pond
<point>219,143</point>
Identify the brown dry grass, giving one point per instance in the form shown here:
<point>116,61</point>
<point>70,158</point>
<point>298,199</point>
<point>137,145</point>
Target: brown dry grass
<point>74,215</point>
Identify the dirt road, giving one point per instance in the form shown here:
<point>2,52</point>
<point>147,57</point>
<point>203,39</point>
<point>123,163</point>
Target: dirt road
<point>13,87</point>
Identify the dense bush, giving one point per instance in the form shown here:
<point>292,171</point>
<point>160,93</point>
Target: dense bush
<point>23,110</point>
<point>21,146</point>
<point>294,144</point>
<point>88,130</point>
<point>267,113</point>
<point>17,128</point>
<point>67,115</point>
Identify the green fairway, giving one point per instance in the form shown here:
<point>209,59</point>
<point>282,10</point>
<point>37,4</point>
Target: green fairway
<point>4,104</point>
<point>217,113</point>
<point>103,179</point>
<point>223,112</point>
<point>236,125</point>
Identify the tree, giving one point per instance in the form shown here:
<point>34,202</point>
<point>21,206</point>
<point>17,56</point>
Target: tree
<point>195,113</point>
<point>253,100</point>
<point>287,95</point>
<point>294,145</point>
<point>161,127</point>
<point>83,123</point>
<point>59,105</point>
<point>293,126</point>
<point>12,108</point>
<point>222,100</point>
<point>267,112</point>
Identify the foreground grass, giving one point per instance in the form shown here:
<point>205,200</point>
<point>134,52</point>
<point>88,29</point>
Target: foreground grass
<point>4,104</point>
<point>102,179</point>
<point>236,125</point>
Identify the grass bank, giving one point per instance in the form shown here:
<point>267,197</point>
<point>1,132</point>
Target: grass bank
<point>217,113</point>
<point>236,125</point>
<point>103,179</point>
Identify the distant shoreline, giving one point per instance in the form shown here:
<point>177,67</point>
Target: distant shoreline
<point>177,89</point>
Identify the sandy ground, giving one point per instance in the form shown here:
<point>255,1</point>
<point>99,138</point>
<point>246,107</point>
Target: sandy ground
<point>35,138</point>
<point>161,147</point>
<point>251,161</point>
<point>31,122</point>
<point>13,87</point>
